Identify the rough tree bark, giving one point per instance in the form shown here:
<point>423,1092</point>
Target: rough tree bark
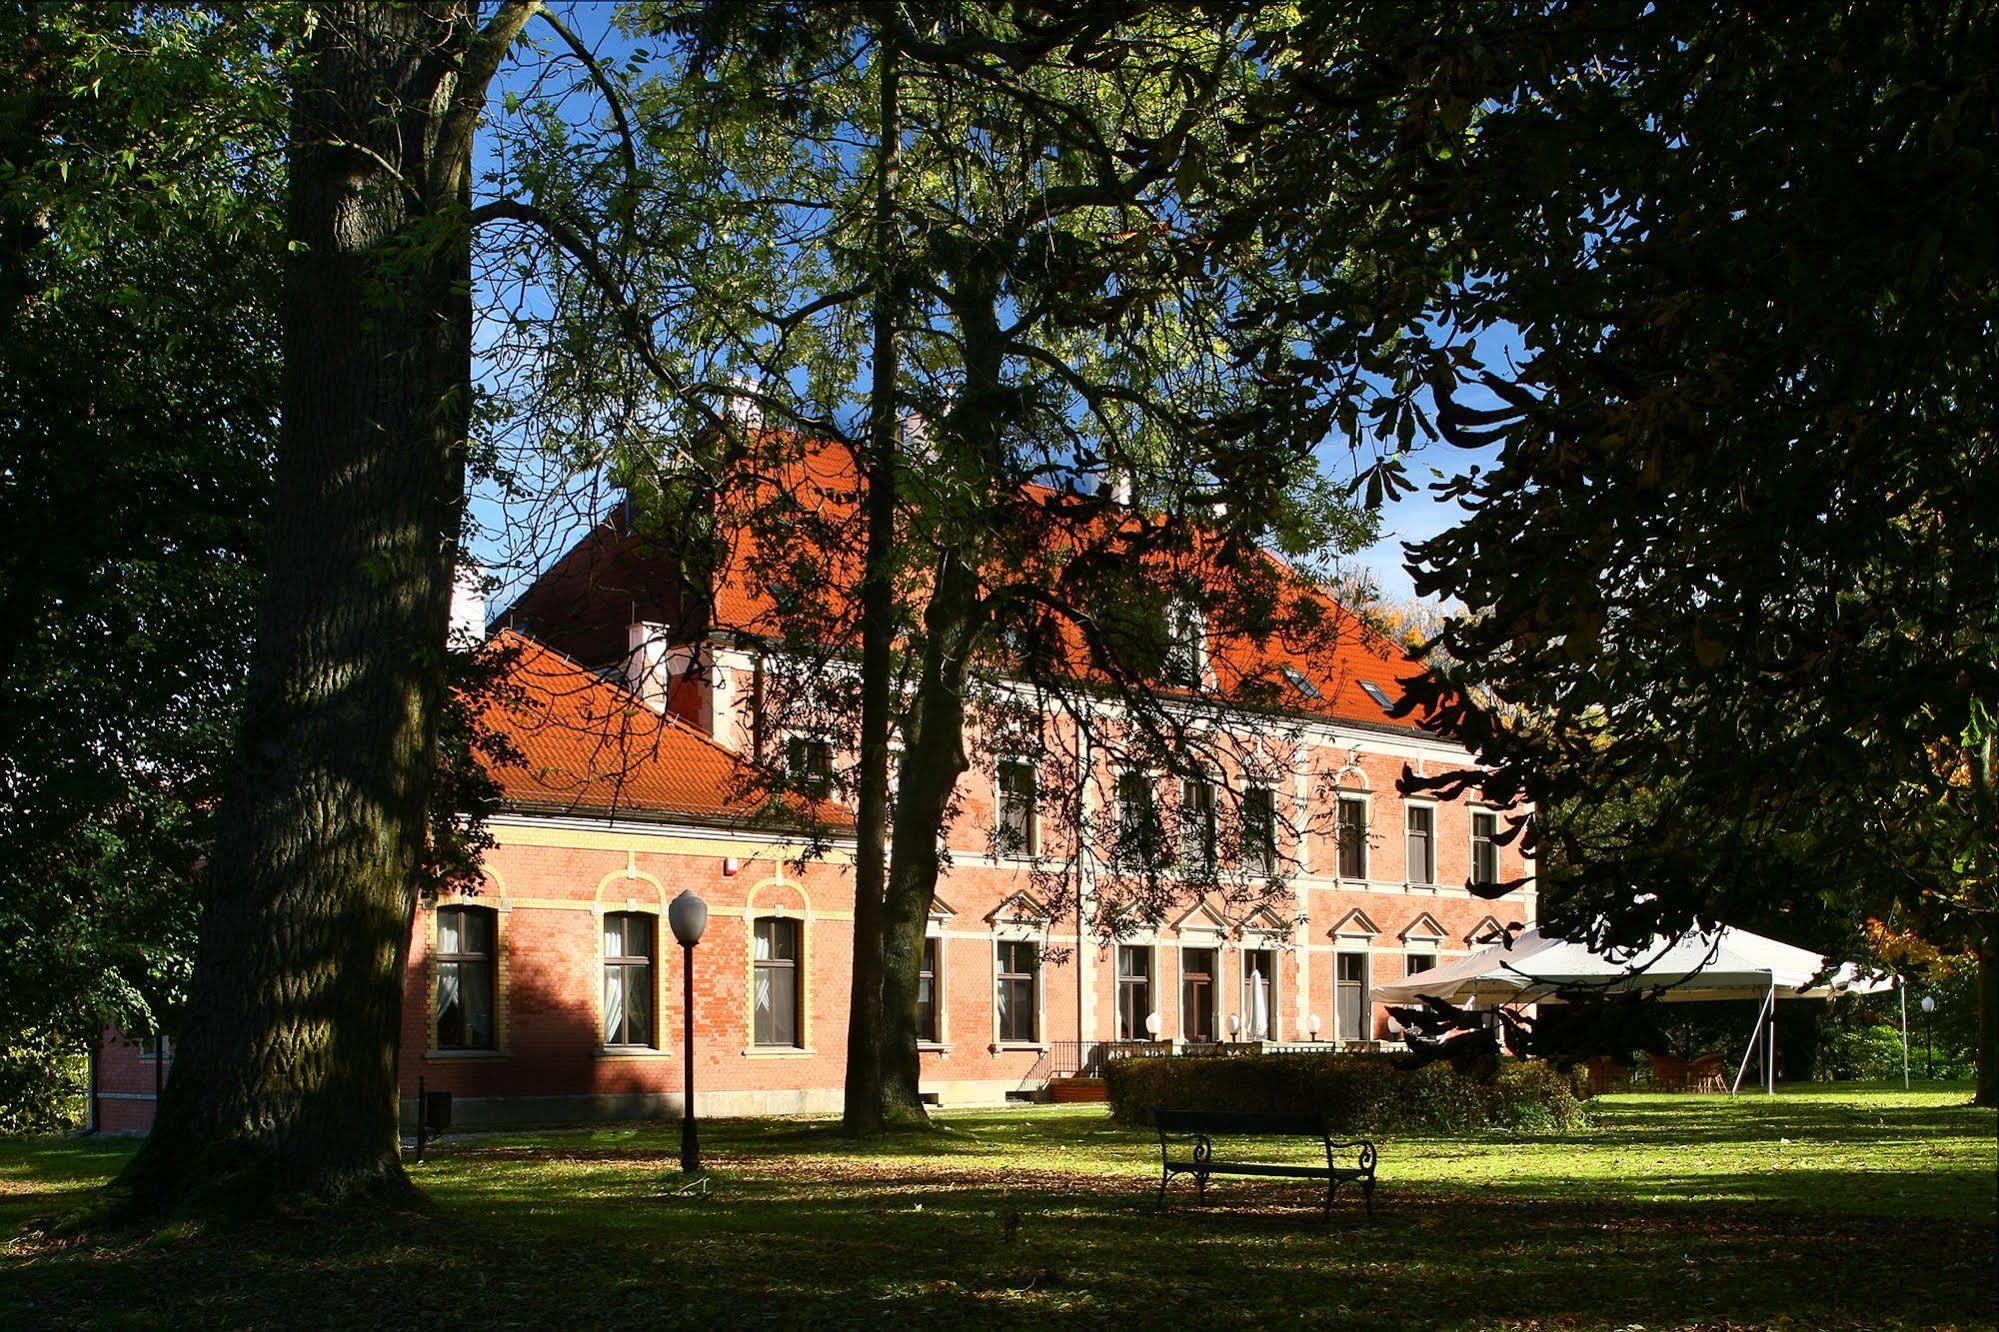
<point>863,1104</point>
<point>934,748</point>
<point>285,1081</point>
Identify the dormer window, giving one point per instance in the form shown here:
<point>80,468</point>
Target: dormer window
<point>808,764</point>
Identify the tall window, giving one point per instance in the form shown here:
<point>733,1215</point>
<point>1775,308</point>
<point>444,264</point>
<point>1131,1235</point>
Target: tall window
<point>1353,837</point>
<point>1197,994</point>
<point>1484,847</point>
<point>776,982</point>
<point>464,965</point>
<point>628,955</point>
<point>1137,820</point>
<point>1186,645</point>
<point>1350,997</point>
<point>929,1013</point>
<point>1018,821</point>
<point>808,760</point>
<point>1422,844</point>
<point>1259,831</point>
<point>1134,992</point>
<point>1197,825</point>
<point>1259,994</point>
<point>1019,970</point>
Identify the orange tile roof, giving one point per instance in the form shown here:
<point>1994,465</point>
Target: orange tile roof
<point>591,747</point>
<point>1324,677</point>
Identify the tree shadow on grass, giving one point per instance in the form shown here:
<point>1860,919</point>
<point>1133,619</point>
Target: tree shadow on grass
<point>1001,1229</point>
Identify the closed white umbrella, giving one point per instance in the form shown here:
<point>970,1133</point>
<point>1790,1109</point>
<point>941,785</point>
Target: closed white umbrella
<point>1259,1005</point>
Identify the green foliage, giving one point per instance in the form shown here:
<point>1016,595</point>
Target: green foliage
<point>1718,290</point>
<point>44,1082</point>
<point>1859,1053</point>
<point>139,204</point>
<point>1355,1093</point>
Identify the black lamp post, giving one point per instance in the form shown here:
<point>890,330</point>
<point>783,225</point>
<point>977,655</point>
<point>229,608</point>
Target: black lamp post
<point>1929,1047</point>
<point>688,916</point>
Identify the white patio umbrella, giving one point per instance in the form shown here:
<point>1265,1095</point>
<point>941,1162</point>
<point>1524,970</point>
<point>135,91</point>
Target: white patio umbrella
<point>1724,963</point>
<point>1259,1005</point>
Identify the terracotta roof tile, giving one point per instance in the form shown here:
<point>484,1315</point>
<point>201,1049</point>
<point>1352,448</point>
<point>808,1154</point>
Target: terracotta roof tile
<point>593,748</point>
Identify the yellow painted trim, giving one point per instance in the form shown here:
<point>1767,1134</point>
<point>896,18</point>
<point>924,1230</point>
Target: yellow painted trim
<point>628,876</point>
<point>651,843</point>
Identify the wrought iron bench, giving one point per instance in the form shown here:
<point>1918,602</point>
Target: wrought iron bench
<point>1201,1127</point>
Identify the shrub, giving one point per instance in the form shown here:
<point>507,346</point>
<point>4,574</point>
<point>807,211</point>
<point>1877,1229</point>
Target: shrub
<point>1867,1053</point>
<point>1354,1093</point>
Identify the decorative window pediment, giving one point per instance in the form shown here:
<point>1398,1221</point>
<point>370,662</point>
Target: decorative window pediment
<point>1486,933</point>
<point>1019,909</point>
<point>1265,921</point>
<point>1355,924</point>
<point>1201,918</point>
<point>1423,929</point>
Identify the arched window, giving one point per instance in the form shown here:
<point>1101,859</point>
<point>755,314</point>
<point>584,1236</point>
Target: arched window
<point>628,978</point>
<point>464,977</point>
<point>777,982</point>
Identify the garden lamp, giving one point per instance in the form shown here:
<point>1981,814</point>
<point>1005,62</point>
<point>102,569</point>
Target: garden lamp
<point>687,914</point>
<point>1312,1024</point>
<point>1929,1006</point>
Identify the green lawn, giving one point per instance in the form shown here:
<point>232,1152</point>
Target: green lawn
<point>1822,1208</point>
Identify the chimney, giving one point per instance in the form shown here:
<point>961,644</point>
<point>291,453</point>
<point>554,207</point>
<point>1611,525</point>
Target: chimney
<point>739,402</point>
<point>468,606</point>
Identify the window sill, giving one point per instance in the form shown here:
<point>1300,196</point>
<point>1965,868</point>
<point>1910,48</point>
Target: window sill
<point>777,1052</point>
<point>466,1056</point>
<point>1019,1047</point>
<point>631,1052</point>
<point>933,1047</point>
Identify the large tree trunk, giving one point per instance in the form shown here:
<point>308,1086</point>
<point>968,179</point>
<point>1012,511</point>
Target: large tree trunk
<point>863,1103</point>
<point>285,1081</point>
<point>933,759</point>
<point>934,748</point>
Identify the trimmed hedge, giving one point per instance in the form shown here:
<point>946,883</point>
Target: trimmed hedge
<point>1356,1093</point>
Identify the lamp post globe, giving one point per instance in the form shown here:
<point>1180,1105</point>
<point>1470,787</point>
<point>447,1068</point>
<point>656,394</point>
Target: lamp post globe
<point>1312,1024</point>
<point>1152,1025</point>
<point>687,917</point>
<point>1929,1006</point>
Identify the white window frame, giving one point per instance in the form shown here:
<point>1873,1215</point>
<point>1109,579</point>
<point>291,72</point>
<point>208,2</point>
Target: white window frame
<point>1366,802</point>
<point>1015,930</point>
<point>933,930</point>
<point>1409,878</point>
<point>1211,941</point>
<point>657,1045</point>
<point>1259,942</point>
<point>1149,946</point>
<point>1364,950</point>
<point>1471,843</point>
<point>1031,853</point>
